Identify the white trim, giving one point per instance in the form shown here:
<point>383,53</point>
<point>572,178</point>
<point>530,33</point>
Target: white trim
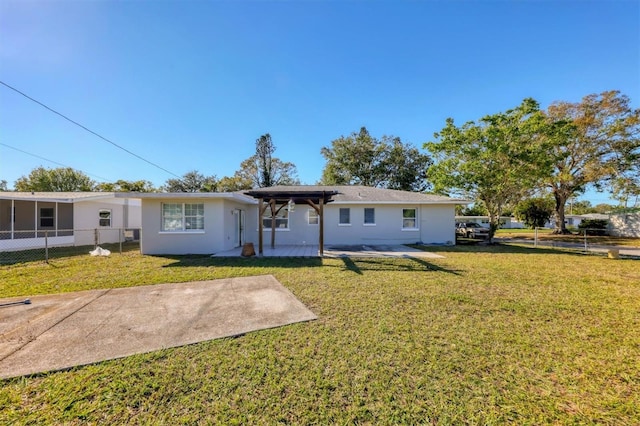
<point>188,195</point>
<point>195,231</point>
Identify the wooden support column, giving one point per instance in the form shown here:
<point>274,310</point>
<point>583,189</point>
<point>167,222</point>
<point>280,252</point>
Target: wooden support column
<point>321,218</point>
<point>273,223</point>
<point>260,225</point>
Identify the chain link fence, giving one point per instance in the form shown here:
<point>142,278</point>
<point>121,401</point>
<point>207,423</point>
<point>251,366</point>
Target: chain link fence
<point>43,245</point>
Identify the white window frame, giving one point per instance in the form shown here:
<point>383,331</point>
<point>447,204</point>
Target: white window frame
<point>340,223</point>
<point>364,219</point>
<point>182,218</point>
<point>415,220</point>
<point>100,218</point>
<point>282,217</point>
<point>313,218</point>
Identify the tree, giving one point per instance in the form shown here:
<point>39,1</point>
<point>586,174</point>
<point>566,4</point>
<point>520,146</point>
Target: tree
<point>264,160</point>
<point>477,209</point>
<point>233,183</point>
<point>534,212</point>
<point>262,169</point>
<point>497,160</point>
<point>126,186</point>
<point>580,207</point>
<point>404,167</point>
<point>62,179</point>
<point>597,143</point>
<point>3,185</point>
<point>192,181</point>
<point>361,159</point>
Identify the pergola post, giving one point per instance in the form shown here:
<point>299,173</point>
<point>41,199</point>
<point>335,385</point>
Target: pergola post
<point>321,236</point>
<point>272,203</point>
<point>260,225</point>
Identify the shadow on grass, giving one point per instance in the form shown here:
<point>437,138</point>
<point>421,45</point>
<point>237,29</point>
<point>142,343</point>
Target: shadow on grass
<point>500,248</point>
<point>242,262</point>
<point>401,264</point>
<point>38,254</point>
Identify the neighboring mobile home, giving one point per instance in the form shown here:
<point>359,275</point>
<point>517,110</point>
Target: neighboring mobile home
<point>66,218</point>
<point>206,223</point>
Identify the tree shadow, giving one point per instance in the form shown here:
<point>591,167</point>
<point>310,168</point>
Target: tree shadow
<point>399,264</point>
<point>502,248</point>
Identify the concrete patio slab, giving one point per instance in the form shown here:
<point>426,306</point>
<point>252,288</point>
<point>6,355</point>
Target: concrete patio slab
<point>59,331</point>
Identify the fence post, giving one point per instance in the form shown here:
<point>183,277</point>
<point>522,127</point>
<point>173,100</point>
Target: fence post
<point>120,232</point>
<point>46,246</point>
<point>535,237</point>
<point>95,238</point>
<point>586,250</point>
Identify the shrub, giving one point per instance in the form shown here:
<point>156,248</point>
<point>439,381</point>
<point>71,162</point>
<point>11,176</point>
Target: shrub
<point>593,227</point>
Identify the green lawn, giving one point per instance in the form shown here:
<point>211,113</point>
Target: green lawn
<point>488,335</point>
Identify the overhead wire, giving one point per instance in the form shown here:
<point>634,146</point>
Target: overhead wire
<point>51,161</point>
<point>88,130</point>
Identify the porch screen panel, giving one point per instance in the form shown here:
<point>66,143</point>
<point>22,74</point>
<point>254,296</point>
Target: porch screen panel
<point>65,219</point>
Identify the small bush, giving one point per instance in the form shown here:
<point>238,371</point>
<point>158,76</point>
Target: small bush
<point>593,227</point>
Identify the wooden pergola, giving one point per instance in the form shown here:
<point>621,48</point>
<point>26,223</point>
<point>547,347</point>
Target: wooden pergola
<point>276,199</point>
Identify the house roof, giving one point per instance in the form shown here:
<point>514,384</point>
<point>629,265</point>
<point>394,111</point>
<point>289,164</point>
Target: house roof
<point>350,194</point>
<point>60,197</point>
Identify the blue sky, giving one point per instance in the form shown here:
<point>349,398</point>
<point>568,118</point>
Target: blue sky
<point>191,85</point>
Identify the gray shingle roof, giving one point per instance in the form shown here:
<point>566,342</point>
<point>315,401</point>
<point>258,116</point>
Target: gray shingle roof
<point>366,194</point>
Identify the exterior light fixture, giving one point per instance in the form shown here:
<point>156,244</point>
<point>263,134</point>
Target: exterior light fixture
<point>291,206</point>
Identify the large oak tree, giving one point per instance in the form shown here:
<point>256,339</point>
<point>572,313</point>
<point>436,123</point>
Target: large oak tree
<point>600,145</point>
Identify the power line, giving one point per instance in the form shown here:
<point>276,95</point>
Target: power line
<point>51,161</point>
<point>88,130</point>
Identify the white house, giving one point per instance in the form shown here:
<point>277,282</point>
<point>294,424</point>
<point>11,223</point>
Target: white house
<point>65,218</point>
<point>195,222</point>
<point>205,223</point>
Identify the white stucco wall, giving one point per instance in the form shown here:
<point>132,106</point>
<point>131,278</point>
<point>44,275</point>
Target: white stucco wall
<point>625,225</point>
<point>436,225</point>
<point>298,233</point>
<point>218,233</point>
<point>125,214</point>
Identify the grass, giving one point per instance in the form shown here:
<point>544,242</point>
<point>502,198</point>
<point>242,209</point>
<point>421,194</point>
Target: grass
<point>487,335</point>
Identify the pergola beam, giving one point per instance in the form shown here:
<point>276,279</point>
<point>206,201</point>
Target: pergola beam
<point>272,198</point>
